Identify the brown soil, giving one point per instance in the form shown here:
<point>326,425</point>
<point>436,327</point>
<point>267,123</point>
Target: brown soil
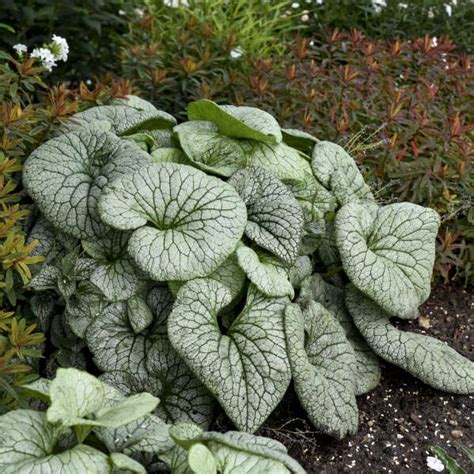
<point>402,417</point>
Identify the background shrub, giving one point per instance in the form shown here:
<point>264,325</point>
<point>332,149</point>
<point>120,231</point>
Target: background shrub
<point>91,27</point>
<point>29,112</point>
<point>391,18</point>
<point>403,108</point>
<point>178,54</point>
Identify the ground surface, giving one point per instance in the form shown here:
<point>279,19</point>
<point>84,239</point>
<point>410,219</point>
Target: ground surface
<point>400,419</point>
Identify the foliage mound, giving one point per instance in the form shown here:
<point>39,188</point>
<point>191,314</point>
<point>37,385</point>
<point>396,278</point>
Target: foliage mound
<point>221,258</point>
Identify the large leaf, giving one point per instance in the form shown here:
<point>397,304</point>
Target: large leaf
<point>74,395</point>
<point>146,362</point>
<point>428,359</point>
<point>336,170</point>
<point>116,274</point>
<point>265,271</point>
<point>66,175</point>
<point>247,368</point>
<point>215,153</point>
<point>300,140</point>
<point>187,223</point>
<point>275,219</point>
<point>237,122</point>
<point>388,253</point>
<point>321,365</point>
<point>28,445</point>
<point>237,452</point>
<point>124,120</point>
<point>367,367</point>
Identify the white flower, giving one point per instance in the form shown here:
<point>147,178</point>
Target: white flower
<point>454,2</point>
<point>295,5</point>
<point>122,12</point>
<point>378,5</point>
<point>60,48</point>
<point>434,463</point>
<point>140,12</point>
<point>47,58</point>
<point>319,2</point>
<point>434,42</point>
<point>304,18</point>
<point>430,13</point>
<point>403,5</point>
<point>236,52</point>
<point>175,3</point>
<point>449,9</point>
<point>20,48</point>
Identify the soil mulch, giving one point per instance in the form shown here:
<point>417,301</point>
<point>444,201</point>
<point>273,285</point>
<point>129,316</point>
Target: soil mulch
<point>402,417</point>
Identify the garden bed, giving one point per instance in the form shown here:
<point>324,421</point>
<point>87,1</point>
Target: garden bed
<point>402,417</point>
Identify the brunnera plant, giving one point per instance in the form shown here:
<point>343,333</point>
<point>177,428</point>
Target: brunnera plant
<point>221,258</point>
<point>91,426</point>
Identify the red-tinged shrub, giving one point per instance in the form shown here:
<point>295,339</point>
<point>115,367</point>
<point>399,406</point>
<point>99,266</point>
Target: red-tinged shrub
<point>404,109</point>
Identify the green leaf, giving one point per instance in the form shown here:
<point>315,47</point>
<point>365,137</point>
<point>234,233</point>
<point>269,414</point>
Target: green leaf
<point>135,102</point>
<point>388,253</point>
<point>247,368</point>
<point>300,270</point>
<point>449,463</point>
<point>275,219</point>
<point>300,140</point>
<point>74,395</point>
<point>125,120</point>
<point>426,358</point>
<point>201,460</point>
<point>336,170</point>
<point>322,369</point>
<point>66,175</point>
<point>209,150</point>
<point>116,274</point>
<point>237,122</point>
<point>169,155</point>
<point>469,452</point>
<point>367,368</point>
<point>121,461</point>
<point>126,411</point>
<point>39,388</point>
<point>187,223</point>
<point>265,271</point>
<point>28,444</point>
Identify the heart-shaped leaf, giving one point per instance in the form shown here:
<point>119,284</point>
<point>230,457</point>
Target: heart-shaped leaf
<point>367,367</point>
<point>238,122</point>
<point>66,175</point>
<point>275,219</point>
<point>247,368</point>
<point>187,223</point>
<point>322,369</point>
<point>426,358</point>
<point>28,444</point>
<point>388,253</point>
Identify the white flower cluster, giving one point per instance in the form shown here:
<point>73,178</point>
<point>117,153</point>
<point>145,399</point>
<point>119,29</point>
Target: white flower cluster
<point>57,50</point>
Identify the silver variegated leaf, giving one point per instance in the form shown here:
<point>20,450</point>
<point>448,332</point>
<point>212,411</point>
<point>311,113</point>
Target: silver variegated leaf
<point>366,367</point>
<point>430,360</point>
<point>275,219</point>
<point>322,369</point>
<point>388,253</point>
<point>247,368</point>
<point>66,175</point>
<point>187,223</point>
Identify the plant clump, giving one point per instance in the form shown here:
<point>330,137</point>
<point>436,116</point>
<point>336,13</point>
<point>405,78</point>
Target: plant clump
<point>218,260</point>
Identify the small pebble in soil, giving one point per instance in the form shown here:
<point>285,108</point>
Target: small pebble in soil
<point>457,434</point>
